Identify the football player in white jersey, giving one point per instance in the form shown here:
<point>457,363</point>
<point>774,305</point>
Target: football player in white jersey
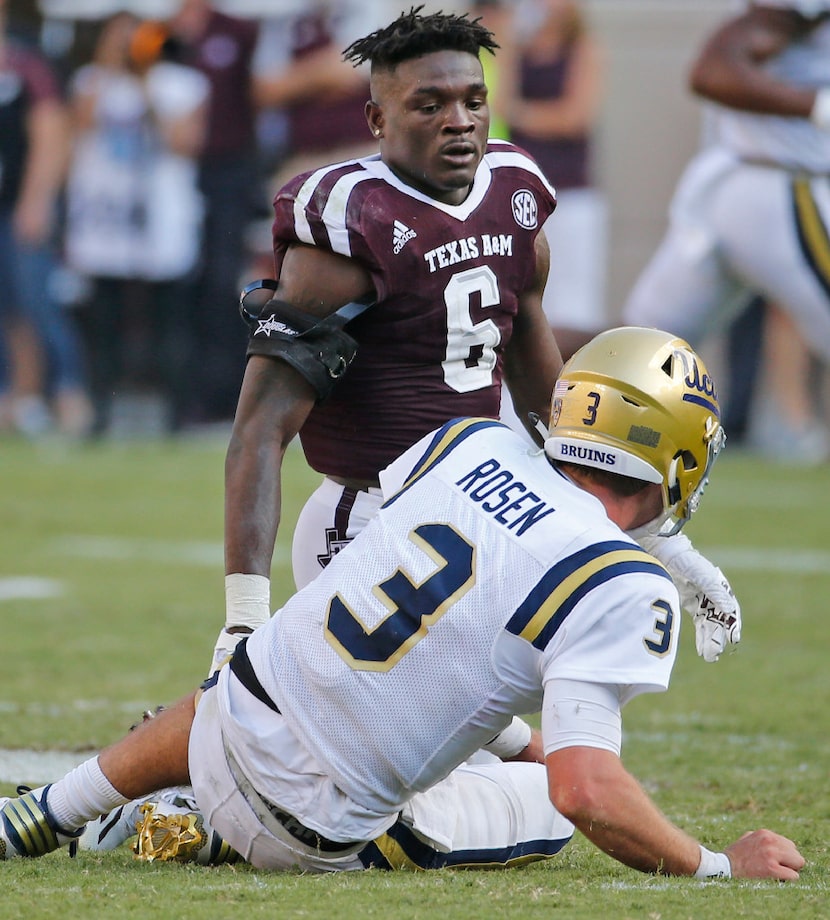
<point>439,234</point>
<point>751,213</point>
<point>496,579</point>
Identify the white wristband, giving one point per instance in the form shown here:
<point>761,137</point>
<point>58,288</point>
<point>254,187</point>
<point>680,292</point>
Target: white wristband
<point>820,113</point>
<point>512,741</point>
<point>713,865</point>
<point>247,600</point>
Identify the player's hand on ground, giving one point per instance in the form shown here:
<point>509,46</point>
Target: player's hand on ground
<point>765,854</point>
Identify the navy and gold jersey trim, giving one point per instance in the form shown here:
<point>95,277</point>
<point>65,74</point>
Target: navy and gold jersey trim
<point>562,587</point>
<point>399,848</point>
<point>813,235</point>
<point>446,439</point>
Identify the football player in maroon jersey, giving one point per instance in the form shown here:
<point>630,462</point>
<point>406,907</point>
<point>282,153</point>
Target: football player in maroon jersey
<point>439,235</point>
<point>409,288</point>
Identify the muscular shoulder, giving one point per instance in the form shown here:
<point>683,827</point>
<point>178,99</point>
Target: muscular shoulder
<point>324,208</point>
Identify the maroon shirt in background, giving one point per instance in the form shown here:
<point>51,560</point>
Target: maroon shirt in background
<point>25,80</point>
<point>564,160</point>
<point>441,273</point>
<point>321,125</point>
<point>224,53</point>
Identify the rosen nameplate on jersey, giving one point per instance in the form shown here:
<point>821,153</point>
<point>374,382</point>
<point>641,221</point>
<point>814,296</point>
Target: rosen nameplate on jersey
<point>510,501</point>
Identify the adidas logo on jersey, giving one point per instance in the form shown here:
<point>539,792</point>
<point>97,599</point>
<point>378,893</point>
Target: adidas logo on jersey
<point>401,235</point>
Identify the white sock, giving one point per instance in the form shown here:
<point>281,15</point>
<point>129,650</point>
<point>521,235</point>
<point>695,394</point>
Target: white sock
<point>82,795</point>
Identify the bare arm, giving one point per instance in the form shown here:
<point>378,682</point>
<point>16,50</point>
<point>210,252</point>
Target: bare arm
<point>532,357</point>
<point>274,402</point>
<point>590,787</point>
<point>729,69</point>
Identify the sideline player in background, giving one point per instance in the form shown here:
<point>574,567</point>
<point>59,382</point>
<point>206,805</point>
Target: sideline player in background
<point>496,579</point>
<point>751,214</point>
<point>439,235</point>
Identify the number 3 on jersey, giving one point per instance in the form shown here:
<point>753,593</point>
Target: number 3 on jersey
<point>413,607</point>
<point>471,347</point>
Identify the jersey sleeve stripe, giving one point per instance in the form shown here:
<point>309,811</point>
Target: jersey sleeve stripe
<point>334,212</point>
<point>446,440</point>
<point>513,157</point>
<point>548,605</point>
<point>301,225</point>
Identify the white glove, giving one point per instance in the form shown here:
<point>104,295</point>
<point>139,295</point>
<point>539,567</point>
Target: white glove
<point>247,606</point>
<point>704,591</point>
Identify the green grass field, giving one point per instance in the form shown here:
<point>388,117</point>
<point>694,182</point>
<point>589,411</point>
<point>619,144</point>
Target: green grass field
<point>111,595</point>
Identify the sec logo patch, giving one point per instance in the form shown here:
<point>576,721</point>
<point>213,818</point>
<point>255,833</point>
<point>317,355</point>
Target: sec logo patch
<point>525,209</point>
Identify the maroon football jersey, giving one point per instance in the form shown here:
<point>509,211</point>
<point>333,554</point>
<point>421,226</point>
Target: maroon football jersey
<point>447,282</point>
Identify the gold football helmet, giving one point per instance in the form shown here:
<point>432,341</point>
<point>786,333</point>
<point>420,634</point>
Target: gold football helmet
<point>639,402</point>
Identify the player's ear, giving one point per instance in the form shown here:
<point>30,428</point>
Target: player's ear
<point>374,117</point>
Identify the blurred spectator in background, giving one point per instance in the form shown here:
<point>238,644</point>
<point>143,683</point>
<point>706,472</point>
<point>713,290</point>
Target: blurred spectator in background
<point>301,78</point>
<point>42,360</point>
<point>222,47</point>
<point>751,212</point>
<point>551,101</point>
<point>134,212</point>
<point>322,96</point>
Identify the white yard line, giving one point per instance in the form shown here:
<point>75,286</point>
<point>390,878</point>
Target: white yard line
<point>22,588</point>
<point>37,767</point>
<point>175,552</point>
<point>178,552</point>
<point>754,559</point>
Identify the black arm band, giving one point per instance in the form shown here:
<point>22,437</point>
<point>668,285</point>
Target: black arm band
<point>319,349</point>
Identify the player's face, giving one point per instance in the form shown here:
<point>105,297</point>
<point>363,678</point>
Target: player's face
<point>432,117</point>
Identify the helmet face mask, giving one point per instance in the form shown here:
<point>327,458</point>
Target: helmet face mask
<point>639,402</point>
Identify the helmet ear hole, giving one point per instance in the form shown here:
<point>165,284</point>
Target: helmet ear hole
<point>668,366</point>
<point>688,460</point>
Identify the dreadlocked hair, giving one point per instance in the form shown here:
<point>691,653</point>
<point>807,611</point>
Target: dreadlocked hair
<point>412,35</point>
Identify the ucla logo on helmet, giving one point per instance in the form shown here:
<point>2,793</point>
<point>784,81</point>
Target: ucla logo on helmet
<point>525,209</point>
<point>701,387</point>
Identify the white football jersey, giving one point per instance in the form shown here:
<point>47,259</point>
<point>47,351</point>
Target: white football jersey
<point>485,573</point>
<point>792,142</point>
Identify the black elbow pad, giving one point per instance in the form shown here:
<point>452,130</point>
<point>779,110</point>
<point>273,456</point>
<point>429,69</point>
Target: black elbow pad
<point>319,349</point>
